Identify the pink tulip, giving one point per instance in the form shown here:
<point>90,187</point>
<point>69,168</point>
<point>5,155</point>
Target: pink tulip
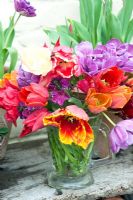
<point>34,122</point>
<point>65,63</point>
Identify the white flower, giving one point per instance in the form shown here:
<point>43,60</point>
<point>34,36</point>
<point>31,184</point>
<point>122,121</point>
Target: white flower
<point>36,60</point>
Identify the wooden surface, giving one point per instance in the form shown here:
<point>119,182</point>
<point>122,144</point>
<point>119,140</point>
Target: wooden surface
<point>24,170</point>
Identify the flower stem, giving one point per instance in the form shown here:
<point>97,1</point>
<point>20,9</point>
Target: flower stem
<point>108,118</point>
<point>90,149</point>
<point>68,159</point>
<point>71,158</point>
<point>11,29</point>
<point>4,54</point>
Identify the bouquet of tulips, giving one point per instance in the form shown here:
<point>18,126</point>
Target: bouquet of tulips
<point>63,87</point>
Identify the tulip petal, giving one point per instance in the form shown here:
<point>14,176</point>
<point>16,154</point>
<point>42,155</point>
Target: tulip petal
<point>120,96</point>
<point>73,126</point>
<point>98,102</point>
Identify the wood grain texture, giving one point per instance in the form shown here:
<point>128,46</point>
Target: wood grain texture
<point>23,175</point>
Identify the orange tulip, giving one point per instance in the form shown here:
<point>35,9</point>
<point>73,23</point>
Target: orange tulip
<point>98,102</point>
<point>73,126</point>
<point>120,96</point>
<point>11,77</point>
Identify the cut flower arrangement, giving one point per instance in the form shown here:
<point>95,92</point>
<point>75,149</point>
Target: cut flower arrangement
<point>62,89</point>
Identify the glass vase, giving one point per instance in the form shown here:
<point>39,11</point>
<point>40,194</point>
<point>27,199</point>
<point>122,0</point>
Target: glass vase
<point>70,164</point>
<point>5,128</point>
<point>101,153</point>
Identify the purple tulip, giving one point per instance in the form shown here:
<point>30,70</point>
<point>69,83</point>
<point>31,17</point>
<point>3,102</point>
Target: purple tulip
<point>123,53</point>
<point>25,78</point>
<point>25,111</point>
<point>121,135</point>
<point>57,89</point>
<point>114,53</point>
<point>24,8</point>
<point>59,97</point>
<point>92,60</point>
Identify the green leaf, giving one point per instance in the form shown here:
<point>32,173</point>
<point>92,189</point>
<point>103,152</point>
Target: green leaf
<point>8,29</point>
<point>65,39</point>
<point>100,27</point>
<point>107,27</point>
<point>1,37</point>
<point>62,28</point>
<point>125,15</point>
<point>12,52</point>
<point>2,56</point>
<point>97,16</point>
<point>115,27</point>
<point>1,67</point>
<point>129,34</point>
<point>80,31</point>
<point>76,102</point>
<point>91,12</point>
<point>8,41</point>
<point>90,9</point>
<point>83,15</point>
<point>9,33</point>
<point>52,34</point>
<point>4,131</point>
<point>13,58</point>
<point>103,34</point>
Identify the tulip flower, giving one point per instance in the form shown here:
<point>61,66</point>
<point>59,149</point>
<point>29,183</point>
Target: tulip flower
<point>34,95</point>
<point>24,8</point>
<point>86,83</point>
<point>33,122</point>
<point>121,135</point>
<point>64,61</point>
<point>9,101</point>
<point>73,126</point>
<point>24,78</point>
<point>36,60</point>
<point>92,61</point>
<point>58,88</point>
<point>120,96</point>
<point>98,102</point>
<point>109,79</point>
<point>11,77</point>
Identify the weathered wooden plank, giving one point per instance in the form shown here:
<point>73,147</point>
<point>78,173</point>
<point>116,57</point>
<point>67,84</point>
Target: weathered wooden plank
<point>24,170</point>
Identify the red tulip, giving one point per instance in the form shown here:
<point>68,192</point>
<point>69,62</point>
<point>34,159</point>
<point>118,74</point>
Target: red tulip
<point>109,79</point>
<point>85,84</point>
<point>127,111</point>
<point>73,125</point>
<point>9,101</point>
<point>34,122</point>
<point>34,94</point>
